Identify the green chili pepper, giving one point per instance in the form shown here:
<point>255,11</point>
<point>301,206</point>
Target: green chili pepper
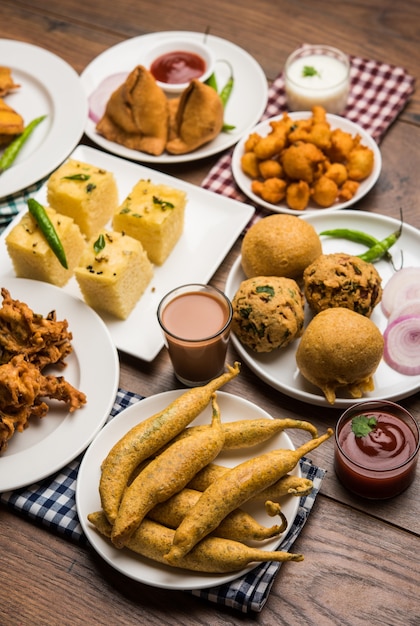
<point>227,90</point>
<point>352,235</point>
<point>9,155</point>
<point>377,249</point>
<point>381,248</point>
<point>212,81</point>
<point>47,228</point>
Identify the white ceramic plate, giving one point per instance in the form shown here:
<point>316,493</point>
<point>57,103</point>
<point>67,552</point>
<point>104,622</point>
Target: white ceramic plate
<point>48,86</point>
<point>50,443</point>
<point>212,224</point>
<point>88,500</point>
<point>279,368</point>
<point>250,88</point>
<point>244,182</point>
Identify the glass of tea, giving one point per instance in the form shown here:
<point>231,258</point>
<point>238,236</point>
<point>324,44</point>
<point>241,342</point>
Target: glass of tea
<point>376,449</point>
<point>195,320</point>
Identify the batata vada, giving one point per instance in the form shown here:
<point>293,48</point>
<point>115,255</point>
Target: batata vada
<point>340,348</point>
<point>279,245</point>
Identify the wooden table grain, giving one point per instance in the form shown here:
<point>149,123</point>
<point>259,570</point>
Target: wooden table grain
<point>361,559</point>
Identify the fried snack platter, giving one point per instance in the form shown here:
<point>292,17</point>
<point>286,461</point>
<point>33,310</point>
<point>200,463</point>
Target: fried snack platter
<point>48,86</point>
<point>250,86</point>
<point>51,442</point>
<point>336,122</point>
<point>212,224</point>
<point>278,368</point>
<point>141,569</point>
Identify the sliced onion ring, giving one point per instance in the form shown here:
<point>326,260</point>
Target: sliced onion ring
<point>410,307</point>
<point>404,285</point>
<point>100,96</point>
<point>402,345</point>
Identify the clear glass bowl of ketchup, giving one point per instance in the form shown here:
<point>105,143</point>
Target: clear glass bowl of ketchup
<point>376,449</point>
<point>174,63</point>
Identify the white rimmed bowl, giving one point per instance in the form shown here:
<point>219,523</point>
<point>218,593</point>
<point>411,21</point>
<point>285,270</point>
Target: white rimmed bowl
<point>176,44</point>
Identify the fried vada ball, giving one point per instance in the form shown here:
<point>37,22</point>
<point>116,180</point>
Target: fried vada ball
<point>360,163</point>
<point>342,280</point>
<point>272,190</point>
<point>250,165</point>
<point>270,168</point>
<point>337,172</point>
<point>315,130</point>
<point>340,348</point>
<point>300,161</point>
<point>348,190</point>
<point>279,245</point>
<point>298,195</point>
<point>342,144</point>
<point>268,312</point>
<point>324,192</point>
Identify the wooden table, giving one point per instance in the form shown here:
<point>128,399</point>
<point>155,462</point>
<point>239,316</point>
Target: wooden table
<point>361,560</point>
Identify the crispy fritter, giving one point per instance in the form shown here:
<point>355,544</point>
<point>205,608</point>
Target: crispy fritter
<point>7,83</point>
<point>42,340</point>
<point>11,123</point>
<point>22,389</point>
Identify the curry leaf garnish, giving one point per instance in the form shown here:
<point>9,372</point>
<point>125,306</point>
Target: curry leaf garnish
<point>265,289</point>
<point>77,177</point>
<point>308,70</point>
<point>362,425</point>
<point>99,244</point>
<point>163,203</point>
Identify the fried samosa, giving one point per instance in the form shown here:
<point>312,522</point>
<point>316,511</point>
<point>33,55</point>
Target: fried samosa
<point>199,118</point>
<point>136,114</point>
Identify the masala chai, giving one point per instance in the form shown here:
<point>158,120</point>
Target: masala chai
<point>195,320</point>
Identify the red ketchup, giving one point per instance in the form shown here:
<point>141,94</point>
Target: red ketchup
<point>382,463</point>
<point>178,67</point>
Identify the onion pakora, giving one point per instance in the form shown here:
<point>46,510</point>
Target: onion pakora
<point>28,343</point>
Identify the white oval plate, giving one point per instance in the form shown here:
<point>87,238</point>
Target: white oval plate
<point>244,182</point>
<point>250,87</point>
<point>50,443</point>
<point>144,570</point>
<point>278,368</point>
<point>48,86</point>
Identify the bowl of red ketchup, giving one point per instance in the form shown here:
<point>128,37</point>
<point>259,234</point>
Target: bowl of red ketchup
<point>174,63</point>
<point>376,449</point>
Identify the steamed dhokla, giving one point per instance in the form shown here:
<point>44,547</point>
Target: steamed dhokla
<point>113,273</point>
<point>31,254</point>
<point>84,192</point>
<point>268,312</point>
<point>153,214</point>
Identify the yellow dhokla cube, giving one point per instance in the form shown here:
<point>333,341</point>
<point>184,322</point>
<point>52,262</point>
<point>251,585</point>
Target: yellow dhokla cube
<point>153,214</point>
<point>87,193</point>
<point>113,273</point>
<point>31,254</point>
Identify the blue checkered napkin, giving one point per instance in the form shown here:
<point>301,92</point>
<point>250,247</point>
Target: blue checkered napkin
<point>51,503</point>
<point>11,205</point>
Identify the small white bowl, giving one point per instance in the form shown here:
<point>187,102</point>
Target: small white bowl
<point>167,46</point>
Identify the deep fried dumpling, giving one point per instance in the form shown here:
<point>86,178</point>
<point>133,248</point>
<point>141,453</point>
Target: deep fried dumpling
<point>136,114</point>
<point>199,118</point>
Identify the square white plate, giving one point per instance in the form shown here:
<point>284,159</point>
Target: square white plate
<point>212,225</point>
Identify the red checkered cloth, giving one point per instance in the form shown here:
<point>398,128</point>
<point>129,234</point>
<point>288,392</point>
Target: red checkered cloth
<point>378,93</point>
